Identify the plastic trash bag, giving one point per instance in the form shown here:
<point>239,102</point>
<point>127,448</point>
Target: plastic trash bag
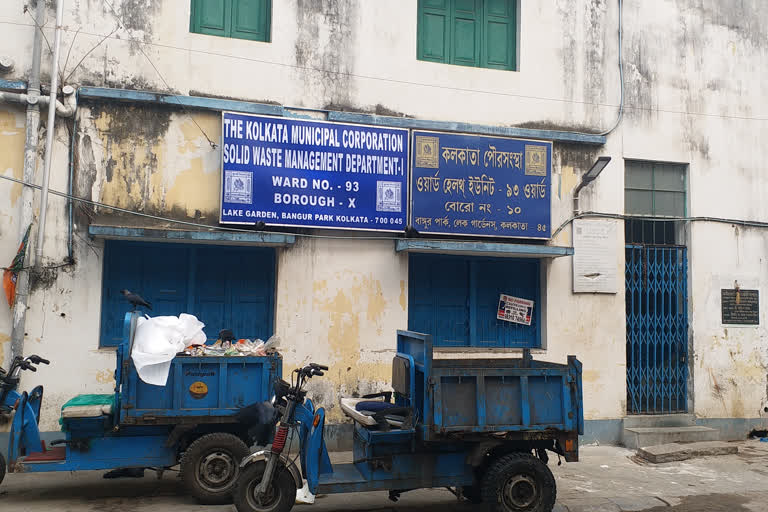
<point>157,341</point>
<point>273,343</point>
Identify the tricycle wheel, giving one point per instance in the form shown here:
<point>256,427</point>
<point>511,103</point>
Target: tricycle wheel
<point>519,482</point>
<point>210,467</point>
<point>280,497</point>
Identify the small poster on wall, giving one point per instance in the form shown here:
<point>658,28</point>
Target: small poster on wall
<point>515,309</point>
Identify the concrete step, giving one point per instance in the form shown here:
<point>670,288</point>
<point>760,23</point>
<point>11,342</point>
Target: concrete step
<point>660,420</point>
<point>638,437</point>
<point>675,452</point>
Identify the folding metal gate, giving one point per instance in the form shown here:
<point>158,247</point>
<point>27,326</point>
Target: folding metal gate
<point>657,329</point>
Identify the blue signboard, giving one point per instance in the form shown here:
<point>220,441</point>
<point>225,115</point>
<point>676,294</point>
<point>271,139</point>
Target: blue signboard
<point>480,186</point>
<point>289,172</point>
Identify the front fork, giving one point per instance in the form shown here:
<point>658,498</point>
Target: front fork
<point>278,444</point>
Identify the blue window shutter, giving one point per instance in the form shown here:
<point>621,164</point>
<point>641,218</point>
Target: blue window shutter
<point>456,300</point>
<point>252,290</point>
<point>120,271</point>
<point>225,287</point>
<point>519,278</point>
<point>439,291</point>
<point>165,271</point>
<point>235,290</point>
<point>211,293</point>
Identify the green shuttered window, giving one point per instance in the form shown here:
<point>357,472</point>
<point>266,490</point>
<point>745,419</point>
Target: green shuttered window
<point>241,19</point>
<point>479,33</point>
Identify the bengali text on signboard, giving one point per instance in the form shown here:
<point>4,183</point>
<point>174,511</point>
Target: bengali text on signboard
<point>740,307</point>
<point>474,185</point>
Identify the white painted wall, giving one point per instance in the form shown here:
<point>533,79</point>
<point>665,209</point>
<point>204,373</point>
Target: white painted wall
<point>693,71</point>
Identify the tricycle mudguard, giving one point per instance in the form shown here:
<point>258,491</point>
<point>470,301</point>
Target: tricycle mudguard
<point>264,455</point>
<point>24,431</point>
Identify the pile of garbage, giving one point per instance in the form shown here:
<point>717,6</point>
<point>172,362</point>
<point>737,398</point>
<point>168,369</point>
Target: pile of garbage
<point>241,347</point>
<point>159,339</point>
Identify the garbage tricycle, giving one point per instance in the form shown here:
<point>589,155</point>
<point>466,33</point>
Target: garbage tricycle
<point>481,427</point>
<point>194,420</point>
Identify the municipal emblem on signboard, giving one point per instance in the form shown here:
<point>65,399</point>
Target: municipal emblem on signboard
<point>535,160</point>
<point>427,152</point>
<point>388,196</point>
<point>238,187</point>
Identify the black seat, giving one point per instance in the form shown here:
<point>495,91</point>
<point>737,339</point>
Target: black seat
<point>377,411</point>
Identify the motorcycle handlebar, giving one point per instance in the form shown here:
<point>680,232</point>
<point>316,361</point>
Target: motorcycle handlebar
<point>38,360</point>
<point>318,366</point>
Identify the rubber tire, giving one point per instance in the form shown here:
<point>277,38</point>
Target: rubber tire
<point>2,468</point>
<point>252,474</point>
<point>516,464</point>
<point>200,449</point>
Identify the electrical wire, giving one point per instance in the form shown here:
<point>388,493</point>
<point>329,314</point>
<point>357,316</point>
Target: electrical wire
<point>623,107</point>
<point>138,45</point>
<point>621,71</point>
<point>618,216</point>
<point>740,222</point>
<point>187,223</point>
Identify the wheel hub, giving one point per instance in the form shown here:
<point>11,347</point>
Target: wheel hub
<point>262,500</point>
<point>217,469</point>
<point>520,491</point>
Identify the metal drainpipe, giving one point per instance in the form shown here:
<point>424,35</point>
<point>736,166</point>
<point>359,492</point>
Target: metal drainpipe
<point>70,186</point>
<point>27,193</point>
<point>49,132</point>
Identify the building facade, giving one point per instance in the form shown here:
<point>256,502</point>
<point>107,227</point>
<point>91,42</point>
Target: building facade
<point>660,299</point>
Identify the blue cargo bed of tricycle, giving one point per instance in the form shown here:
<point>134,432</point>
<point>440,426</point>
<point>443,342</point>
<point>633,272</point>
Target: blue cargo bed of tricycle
<point>466,413</point>
<point>142,425</point>
<point>199,389</point>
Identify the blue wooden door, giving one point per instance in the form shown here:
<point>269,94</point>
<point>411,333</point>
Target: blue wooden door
<point>225,287</point>
<point>455,299</point>
<point>657,329</point>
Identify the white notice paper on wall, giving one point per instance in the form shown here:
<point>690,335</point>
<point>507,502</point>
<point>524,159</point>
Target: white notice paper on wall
<point>515,309</point>
<point>594,256</point>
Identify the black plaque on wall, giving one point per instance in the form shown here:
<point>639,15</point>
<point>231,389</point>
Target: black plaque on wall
<point>740,306</point>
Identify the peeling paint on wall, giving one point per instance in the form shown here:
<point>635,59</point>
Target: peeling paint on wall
<point>12,136</point>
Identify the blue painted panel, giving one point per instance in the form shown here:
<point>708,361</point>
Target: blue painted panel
<point>231,382</point>
<point>225,287</point>
<point>519,278</point>
<point>294,172</point>
<point>455,299</point>
<point>546,396</point>
<point>114,452</point>
<point>245,383</point>
<point>486,186</point>
<point>439,296</point>
<point>458,404</point>
<point>502,396</point>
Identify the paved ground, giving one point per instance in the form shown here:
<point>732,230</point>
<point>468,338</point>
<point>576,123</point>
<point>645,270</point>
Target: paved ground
<point>608,479</point>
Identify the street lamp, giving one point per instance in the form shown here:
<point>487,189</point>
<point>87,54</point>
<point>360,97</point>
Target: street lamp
<point>588,178</point>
